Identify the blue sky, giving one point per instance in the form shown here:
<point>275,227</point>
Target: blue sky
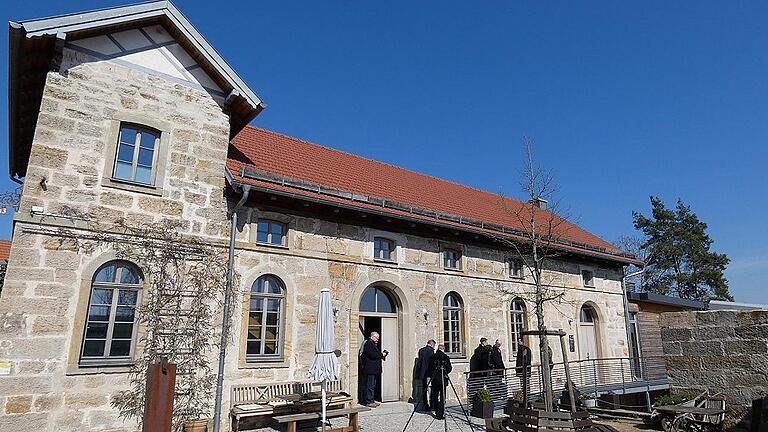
<point>623,100</point>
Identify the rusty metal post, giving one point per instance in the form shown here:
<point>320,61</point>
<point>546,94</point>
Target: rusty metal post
<point>158,407</point>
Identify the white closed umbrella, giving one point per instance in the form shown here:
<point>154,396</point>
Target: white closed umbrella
<point>325,365</point>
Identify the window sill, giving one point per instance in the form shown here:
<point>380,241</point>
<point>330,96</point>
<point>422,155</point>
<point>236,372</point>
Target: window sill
<point>130,186</point>
<point>94,369</point>
<point>588,286</point>
<point>264,364</point>
<point>385,261</point>
<point>451,269</point>
<point>272,245</point>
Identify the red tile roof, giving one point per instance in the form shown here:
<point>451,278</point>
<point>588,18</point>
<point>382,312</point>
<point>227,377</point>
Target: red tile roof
<point>5,249</point>
<point>282,155</point>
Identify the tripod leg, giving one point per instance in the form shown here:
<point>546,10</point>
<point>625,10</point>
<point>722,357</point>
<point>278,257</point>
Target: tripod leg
<point>469,422</point>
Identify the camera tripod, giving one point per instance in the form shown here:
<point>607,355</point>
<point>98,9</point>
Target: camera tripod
<point>442,391</point>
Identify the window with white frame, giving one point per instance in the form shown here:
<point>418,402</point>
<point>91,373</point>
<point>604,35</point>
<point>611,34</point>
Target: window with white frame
<point>383,249</point>
<point>588,277</point>
<point>110,328</point>
<point>271,232</point>
<point>136,157</point>
<point>516,268</point>
<point>517,320</point>
<point>453,321</point>
<point>452,259</point>
<point>265,319</point>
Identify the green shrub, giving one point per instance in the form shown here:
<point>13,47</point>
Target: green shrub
<point>483,395</point>
<point>674,399</point>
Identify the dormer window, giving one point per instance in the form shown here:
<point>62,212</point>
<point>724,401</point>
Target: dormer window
<point>136,157</point>
<point>383,249</point>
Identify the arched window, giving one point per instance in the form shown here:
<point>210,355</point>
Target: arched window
<point>376,299</point>
<point>587,314</point>
<point>453,324</point>
<point>517,320</point>
<point>110,329</point>
<point>265,319</point>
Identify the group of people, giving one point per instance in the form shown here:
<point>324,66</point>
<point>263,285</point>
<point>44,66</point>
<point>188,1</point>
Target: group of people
<point>487,357</point>
<point>432,367</point>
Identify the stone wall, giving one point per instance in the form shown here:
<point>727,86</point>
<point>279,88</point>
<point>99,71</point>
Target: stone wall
<point>47,285</point>
<point>46,289</point>
<point>719,351</point>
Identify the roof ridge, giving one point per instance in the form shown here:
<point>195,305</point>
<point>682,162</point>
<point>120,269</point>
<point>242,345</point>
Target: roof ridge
<point>454,182</point>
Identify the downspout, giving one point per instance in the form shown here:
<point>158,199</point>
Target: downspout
<point>227,300</point>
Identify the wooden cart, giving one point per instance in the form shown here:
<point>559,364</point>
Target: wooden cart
<point>703,413</point>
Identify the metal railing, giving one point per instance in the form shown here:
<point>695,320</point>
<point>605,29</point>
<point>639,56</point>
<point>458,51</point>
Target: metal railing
<point>598,376</point>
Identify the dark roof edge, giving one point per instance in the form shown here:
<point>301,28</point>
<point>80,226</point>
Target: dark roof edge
<point>607,256</point>
<point>666,300</point>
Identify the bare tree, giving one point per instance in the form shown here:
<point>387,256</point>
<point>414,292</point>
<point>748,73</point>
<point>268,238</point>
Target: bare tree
<point>542,225</point>
<point>633,245</point>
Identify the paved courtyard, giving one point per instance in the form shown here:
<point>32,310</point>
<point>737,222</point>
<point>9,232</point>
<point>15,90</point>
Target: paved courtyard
<point>393,416</point>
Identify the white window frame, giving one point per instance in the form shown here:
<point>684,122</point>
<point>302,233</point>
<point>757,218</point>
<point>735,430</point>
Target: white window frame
<point>511,268</point>
<point>457,260</point>
<point>270,222</point>
<point>514,331</point>
<point>137,147</point>
<point>458,322</point>
<point>115,287</point>
<point>280,340</point>
<point>593,283</point>
<point>392,249</point>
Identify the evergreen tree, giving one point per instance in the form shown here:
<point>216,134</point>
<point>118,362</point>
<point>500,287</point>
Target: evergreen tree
<point>679,260</point>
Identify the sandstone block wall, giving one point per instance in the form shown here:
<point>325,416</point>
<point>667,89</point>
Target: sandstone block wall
<point>47,286</point>
<point>720,351</point>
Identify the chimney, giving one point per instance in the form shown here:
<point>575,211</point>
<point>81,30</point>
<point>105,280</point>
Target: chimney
<point>540,203</point>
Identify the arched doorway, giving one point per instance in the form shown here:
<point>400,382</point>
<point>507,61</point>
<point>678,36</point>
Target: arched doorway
<point>588,322</point>
<point>379,313</point>
<point>588,343</point>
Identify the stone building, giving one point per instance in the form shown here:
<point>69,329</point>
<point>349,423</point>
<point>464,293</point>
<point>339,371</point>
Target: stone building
<point>129,113</point>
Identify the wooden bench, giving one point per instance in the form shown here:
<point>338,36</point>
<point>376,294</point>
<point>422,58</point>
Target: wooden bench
<point>352,413</point>
<point>260,400</point>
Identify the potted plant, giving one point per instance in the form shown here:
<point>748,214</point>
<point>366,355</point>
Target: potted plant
<point>516,401</point>
<point>588,399</point>
<point>482,406</point>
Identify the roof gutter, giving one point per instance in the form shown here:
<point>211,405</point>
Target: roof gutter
<point>235,183</point>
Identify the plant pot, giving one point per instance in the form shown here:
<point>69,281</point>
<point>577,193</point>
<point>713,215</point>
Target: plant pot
<point>482,409</point>
<point>196,426</point>
<point>590,403</point>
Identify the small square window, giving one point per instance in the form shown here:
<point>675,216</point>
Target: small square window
<point>383,249</point>
<point>452,259</point>
<point>271,232</point>
<point>136,156</point>
<point>588,278</point>
<point>515,268</point>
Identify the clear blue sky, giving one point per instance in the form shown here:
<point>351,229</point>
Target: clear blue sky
<point>624,101</point>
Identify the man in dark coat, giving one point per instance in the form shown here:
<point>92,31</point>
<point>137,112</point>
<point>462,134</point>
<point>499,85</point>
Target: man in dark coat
<point>497,379</point>
<point>422,366</point>
<point>480,360</point>
<point>439,368</point>
<point>496,359</point>
<point>523,367</point>
<point>371,357</point>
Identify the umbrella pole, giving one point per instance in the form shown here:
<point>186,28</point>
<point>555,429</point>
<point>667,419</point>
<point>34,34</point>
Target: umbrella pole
<point>322,392</point>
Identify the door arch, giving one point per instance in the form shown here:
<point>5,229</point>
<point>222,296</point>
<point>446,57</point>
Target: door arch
<point>589,343</point>
<point>379,311</point>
